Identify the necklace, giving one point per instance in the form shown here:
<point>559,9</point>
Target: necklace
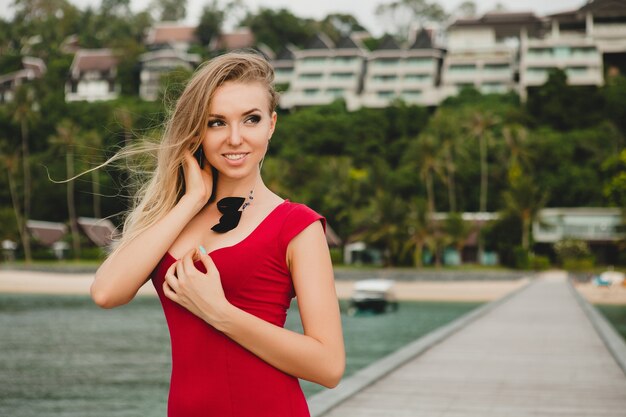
<point>231,213</point>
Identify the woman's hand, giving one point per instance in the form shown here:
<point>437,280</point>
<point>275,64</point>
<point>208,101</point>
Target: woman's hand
<point>198,182</point>
<point>200,293</point>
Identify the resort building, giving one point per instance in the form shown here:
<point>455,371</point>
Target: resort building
<point>156,63</point>
<point>578,42</point>
<point>600,227</point>
<point>283,65</point>
<point>324,72</point>
<point>483,52</point>
<point>171,35</point>
<point>240,38</point>
<point>92,76</point>
<point>32,68</point>
<point>411,73</point>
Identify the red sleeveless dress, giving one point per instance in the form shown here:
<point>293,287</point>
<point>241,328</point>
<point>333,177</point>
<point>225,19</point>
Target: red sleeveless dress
<point>213,376</point>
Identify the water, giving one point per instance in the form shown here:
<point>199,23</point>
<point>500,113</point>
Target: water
<point>63,356</point>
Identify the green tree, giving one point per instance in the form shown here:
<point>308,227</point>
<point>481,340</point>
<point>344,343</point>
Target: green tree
<point>211,21</point>
<point>614,187</point>
<point>523,199</point>
<point>25,114</point>
<point>336,25</point>
<point>169,10</point>
<point>277,28</point>
<point>66,139</point>
<point>405,14</point>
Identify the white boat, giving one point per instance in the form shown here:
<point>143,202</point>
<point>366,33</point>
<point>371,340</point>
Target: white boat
<point>373,295</point>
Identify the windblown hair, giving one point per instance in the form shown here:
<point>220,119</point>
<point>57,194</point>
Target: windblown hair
<point>184,129</point>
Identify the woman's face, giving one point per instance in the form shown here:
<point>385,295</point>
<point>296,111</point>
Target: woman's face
<point>239,129</point>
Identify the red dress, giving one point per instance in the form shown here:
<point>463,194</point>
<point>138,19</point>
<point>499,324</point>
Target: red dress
<point>211,374</point>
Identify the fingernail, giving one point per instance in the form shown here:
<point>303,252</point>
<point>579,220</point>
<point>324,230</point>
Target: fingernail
<point>202,249</point>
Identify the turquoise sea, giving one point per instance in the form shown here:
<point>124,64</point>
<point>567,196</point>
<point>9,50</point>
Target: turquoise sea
<point>63,356</point>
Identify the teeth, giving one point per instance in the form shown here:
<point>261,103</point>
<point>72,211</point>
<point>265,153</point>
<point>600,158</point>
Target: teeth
<point>234,156</point>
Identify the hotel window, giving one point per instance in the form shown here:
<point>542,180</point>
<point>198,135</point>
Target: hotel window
<point>311,91</point>
<point>341,76</point>
<point>411,94</point>
<point>311,76</point>
<point>488,88</point>
<point>562,51</point>
<point>462,68</point>
<point>418,77</point>
<point>345,59</point>
<point>584,52</point>
<point>540,52</point>
<point>421,62</point>
<point>336,92</point>
<point>385,94</point>
<point>385,78</point>
<point>497,68</point>
<point>386,62</point>
<point>314,60</point>
<point>537,72</point>
<point>576,71</point>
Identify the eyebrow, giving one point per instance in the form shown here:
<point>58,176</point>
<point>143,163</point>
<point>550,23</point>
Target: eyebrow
<point>219,116</point>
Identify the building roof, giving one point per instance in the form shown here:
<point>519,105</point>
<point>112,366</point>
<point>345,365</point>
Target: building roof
<point>169,32</point>
<point>505,24</point>
<point>238,39</point>
<point>100,231</point>
<point>387,43</point>
<point>285,54</point>
<point>46,232</point>
<point>193,59</point>
<point>606,8</point>
<point>319,41</point>
<point>422,41</point>
<point>346,42</point>
<point>94,60</point>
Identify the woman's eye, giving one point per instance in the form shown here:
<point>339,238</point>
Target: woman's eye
<point>254,119</point>
<point>215,123</point>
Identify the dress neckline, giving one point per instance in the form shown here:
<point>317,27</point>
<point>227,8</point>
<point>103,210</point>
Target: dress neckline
<point>257,227</point>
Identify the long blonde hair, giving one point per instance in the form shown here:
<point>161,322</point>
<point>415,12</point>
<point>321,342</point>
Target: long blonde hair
<point>184,129</point>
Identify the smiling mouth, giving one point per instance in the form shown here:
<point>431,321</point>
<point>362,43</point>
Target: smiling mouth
<point>234,156</point>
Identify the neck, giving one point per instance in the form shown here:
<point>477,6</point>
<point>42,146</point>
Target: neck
<point>237,188</point>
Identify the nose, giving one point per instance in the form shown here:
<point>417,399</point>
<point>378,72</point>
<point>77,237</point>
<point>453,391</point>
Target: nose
<point>234,138</point>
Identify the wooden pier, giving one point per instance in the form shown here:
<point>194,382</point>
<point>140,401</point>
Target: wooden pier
<point>540,352</point>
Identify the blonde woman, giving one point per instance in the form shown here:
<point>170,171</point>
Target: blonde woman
<point>226,256</point>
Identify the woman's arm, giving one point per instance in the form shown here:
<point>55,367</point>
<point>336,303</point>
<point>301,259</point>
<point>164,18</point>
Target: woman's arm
<point>122,274</point>
<point>318,354</point>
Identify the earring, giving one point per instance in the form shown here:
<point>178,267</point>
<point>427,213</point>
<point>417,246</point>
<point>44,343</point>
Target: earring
<point>261,164</point>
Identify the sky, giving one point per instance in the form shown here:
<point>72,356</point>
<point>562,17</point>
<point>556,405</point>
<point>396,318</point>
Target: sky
<point>363,10</point>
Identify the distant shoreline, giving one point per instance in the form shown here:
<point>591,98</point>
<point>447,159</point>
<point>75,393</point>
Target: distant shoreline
<point>34,282</point>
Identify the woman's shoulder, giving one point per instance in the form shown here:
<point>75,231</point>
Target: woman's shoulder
<point>296,217</point>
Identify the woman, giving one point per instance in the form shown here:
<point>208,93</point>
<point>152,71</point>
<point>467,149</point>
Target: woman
<point>226,277</point>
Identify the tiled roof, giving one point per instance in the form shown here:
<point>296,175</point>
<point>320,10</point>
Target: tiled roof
<point>388,42</point>
<point>46,232</point>
<point>170,32</point>
<point>242,38</point>
<point>346,42</point>
<point>94,60</point>
<point>422,41</point>
<point>498,18</point>
<point>100,231</point>
<point>319,41</point>
<point>610,8</point>
<point>285,54</point>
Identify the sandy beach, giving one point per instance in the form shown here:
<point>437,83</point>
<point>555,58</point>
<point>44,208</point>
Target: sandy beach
<point>29,282</point>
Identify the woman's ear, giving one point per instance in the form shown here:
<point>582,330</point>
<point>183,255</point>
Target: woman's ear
<point>273,119</point>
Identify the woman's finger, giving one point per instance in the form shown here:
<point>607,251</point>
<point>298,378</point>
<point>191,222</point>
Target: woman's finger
<point>187,261</point>
<point>209,265</point>
<point>169,293</point>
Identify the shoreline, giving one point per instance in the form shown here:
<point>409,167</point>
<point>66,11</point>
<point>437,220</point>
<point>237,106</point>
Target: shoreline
<point>54,283</point>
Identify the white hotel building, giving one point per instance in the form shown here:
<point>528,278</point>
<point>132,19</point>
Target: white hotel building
<point>495,53</point>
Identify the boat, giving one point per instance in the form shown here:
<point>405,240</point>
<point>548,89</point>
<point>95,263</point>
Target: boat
<point>373,295</point>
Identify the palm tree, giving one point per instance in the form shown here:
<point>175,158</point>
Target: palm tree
<point>11,162</point>
<point>418,228</point>
<point>445,127</point>
<point>66,138</point>
<point>93,143</point>
<point>480,128</point>
<point>25,114</point>
<point>523,199</point>
<point>425,155</point>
